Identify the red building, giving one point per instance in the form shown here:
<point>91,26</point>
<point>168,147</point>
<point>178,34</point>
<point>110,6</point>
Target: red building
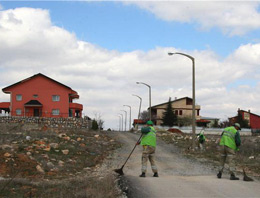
<point>253,119</point>
<point>41,96</point>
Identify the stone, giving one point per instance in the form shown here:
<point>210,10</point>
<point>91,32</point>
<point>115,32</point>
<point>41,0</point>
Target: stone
<point>65,152</point>
<point>61,163</point>
<point>39,169</point>
<point>28,137</point>
<point>54,145</point>
<point>7,155</point>
<point>50,165</point>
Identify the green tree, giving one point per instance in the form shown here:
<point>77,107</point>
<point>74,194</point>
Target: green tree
<point>94,125</point>
<point>169,117</point>
<point>243,123</point>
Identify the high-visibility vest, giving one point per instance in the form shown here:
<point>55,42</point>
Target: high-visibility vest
<point>149,139</point>
<point>228,138</point>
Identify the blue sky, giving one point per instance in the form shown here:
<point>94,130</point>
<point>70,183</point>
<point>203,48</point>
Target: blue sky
<point>101,49</point>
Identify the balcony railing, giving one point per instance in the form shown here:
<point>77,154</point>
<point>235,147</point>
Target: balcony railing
<point>75,106</point>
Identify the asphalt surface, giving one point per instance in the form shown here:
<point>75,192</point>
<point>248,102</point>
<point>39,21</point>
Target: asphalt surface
<point>178,175</point>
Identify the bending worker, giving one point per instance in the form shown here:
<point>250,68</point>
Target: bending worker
<point>229,142</point>
<point>148,142</point>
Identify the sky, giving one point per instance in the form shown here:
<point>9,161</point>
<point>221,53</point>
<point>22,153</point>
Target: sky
<point>102,48</point>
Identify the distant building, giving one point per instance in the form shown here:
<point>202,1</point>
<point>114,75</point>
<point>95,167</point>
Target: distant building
<point>209,121</point>
<point>182,107</point>
<point>41,96</point>
<point>253,119</point>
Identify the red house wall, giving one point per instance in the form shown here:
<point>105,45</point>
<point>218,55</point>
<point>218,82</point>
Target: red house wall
<point>44,88</point>
<point>254,121</point>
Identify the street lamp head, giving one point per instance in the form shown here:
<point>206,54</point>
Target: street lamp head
<point>170,53</point>
<point>137,82</point>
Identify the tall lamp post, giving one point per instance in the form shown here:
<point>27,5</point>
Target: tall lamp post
<point>121,115</point>
<point>119,123</point>
<point>150,110</point>
<point>130,116</point>
<point>125,117</point>
<point>139,105</point>
<point>193,95</point>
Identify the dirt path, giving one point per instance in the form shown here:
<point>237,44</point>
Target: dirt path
<point>178,176</point>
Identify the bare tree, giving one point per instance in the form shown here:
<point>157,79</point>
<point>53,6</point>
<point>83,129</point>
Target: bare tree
<point>98,118</point>
<point>145,116</point>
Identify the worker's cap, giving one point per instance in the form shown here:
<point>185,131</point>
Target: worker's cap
<point>149,122</point>
<point>237,125</point>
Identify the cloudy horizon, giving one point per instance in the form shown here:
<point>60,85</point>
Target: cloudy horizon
<point>104,73</point>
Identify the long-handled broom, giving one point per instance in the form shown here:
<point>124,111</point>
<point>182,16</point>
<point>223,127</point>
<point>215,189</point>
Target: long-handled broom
<point>120,170</point>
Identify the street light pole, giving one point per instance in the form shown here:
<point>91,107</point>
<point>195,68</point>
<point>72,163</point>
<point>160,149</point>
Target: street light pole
<point>139,105</point>
<point>193,95</point>
<point>130,116</point>
<point>125,117</point>
<point>150,110</point>
<point>121,121</point>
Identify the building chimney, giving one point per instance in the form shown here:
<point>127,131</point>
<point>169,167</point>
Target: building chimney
<point>175,98</point>
<point>249,111</point>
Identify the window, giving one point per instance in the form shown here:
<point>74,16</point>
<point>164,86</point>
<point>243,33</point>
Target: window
<point>176,112</point>
<point>55,112</point>
<point>55,98</point>
<point>180,112</point>
<point>18,111</point>
<point>35,95</point>
<point>19,97</point>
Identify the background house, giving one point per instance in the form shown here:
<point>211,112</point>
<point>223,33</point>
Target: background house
<point>41,96</point>
<point>253,119</point>
<point>182,107</point>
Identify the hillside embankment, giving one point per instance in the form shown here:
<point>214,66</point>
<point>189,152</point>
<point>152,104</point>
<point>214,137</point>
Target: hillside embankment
<point>55,162</point>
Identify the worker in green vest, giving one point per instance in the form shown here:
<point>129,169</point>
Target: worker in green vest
<point>229,142</point>
<point>148,142</point>
<point>201,139</point>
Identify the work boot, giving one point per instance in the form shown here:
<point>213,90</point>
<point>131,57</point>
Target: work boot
<point>219,174</point>
<point>142,175</point>
<point>155,175</point>
<point>233,177</point>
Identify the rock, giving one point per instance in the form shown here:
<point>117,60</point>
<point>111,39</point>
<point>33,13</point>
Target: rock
<point>47,148</point>
<point>251,157</point>
<point>39,169</point>
<point>50,165</point>
<point>7,155</point>
<point>82,145</point>
<point>54,145</point>
<point>28,137</point>
<point>78,139</point>
<point>66,138</point>
<point>96,136</point>
<point>65,152</point>
<point>61,163</point>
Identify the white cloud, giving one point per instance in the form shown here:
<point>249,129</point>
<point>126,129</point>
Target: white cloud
<point>232,17</point>
<point>106,80</point>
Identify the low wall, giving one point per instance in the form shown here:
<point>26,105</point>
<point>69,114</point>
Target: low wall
<point>48,122</point>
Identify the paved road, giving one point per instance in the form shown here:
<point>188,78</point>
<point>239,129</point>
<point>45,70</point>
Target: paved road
<point>178,176</point>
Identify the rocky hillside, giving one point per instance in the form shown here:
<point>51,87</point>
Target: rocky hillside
<point>54,162</point>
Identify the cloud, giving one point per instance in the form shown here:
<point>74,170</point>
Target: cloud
<point>106,80</point>
<point>231,17</point>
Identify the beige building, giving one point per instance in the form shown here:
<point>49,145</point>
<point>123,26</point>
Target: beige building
<point>182,108</point>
